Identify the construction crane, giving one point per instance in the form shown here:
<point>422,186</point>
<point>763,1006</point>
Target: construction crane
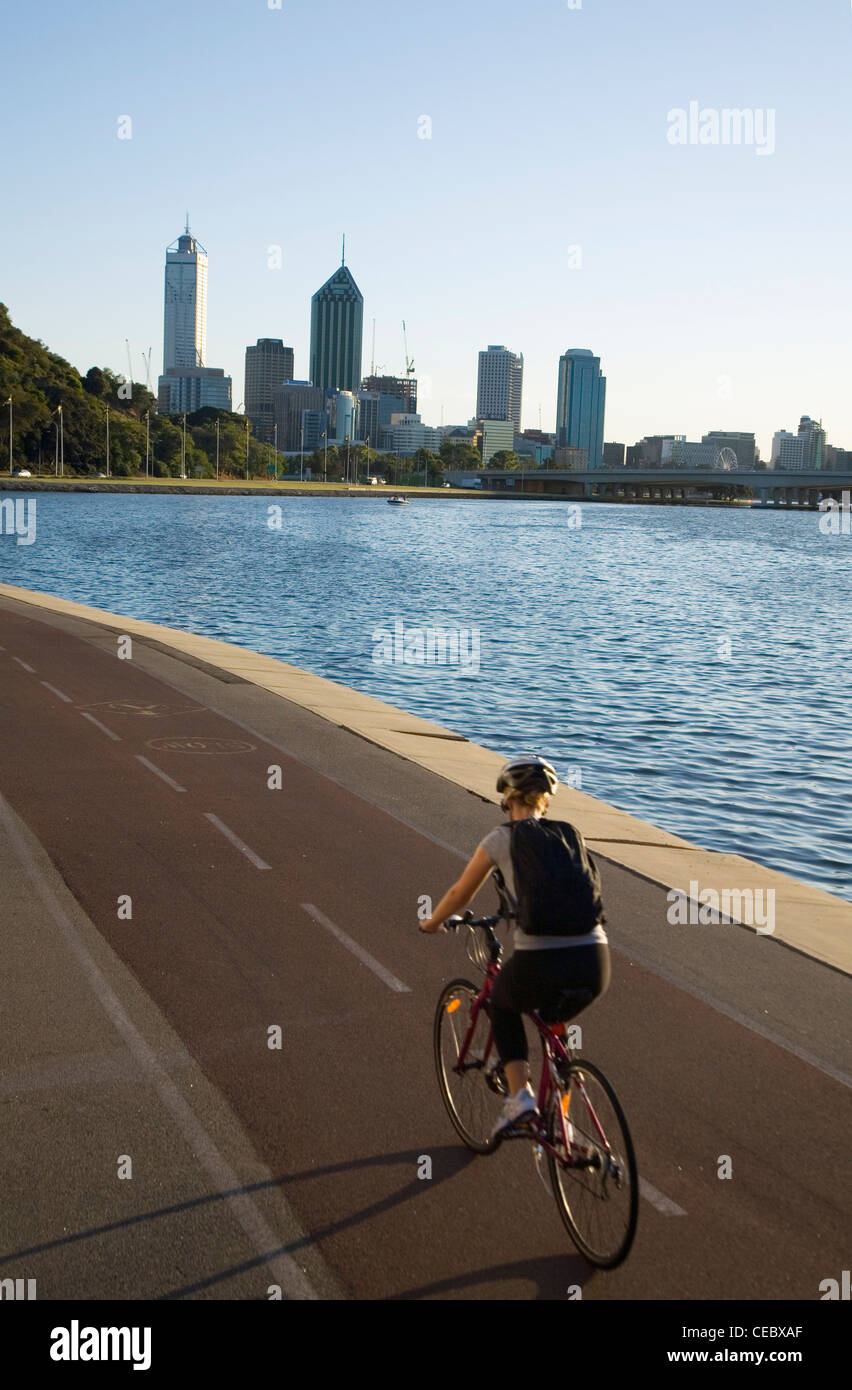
<point>146,358</point>
<point>409,365</point>
<point>129,366</point>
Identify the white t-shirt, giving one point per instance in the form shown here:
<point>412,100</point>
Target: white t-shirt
<point>498,846</point>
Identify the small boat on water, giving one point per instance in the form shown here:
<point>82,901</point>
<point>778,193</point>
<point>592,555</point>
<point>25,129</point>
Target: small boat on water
<point>397,501</point>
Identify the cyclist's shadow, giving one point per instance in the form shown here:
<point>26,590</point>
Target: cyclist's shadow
<point>553,1275</point>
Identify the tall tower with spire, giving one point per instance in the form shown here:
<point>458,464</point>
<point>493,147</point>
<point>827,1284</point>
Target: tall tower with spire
<point>337,331</point>
<point>185,316</point>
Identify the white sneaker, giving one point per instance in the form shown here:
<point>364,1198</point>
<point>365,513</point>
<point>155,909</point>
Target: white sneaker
<point>515,1108</point>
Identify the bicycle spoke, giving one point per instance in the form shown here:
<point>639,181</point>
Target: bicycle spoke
<point>473,1095</point>
<point>596,1184</point>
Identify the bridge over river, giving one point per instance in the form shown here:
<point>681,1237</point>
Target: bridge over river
<point>771,485</point>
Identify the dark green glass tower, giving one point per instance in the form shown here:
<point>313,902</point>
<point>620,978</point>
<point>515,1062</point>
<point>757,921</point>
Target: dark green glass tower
<point>337,328</point>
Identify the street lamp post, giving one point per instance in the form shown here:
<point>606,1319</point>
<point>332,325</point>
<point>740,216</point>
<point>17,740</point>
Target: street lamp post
<point>302,454</point>
<point>183,450</point>
<point>247,447</point>
<point>147,439</point>
<point>9,404</point>
<point>325,464</point>
<point>275,445</point>
<point>107,441</point>
<point>217,446</point>
<point>61,443</point>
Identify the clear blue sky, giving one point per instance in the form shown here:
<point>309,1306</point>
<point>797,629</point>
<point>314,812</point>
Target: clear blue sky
<point>715,282</point>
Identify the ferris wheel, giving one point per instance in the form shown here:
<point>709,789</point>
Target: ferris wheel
<point>727,459</point>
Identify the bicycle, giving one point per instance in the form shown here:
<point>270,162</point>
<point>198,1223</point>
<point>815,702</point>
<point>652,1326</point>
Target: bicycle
<point>586,1144</point>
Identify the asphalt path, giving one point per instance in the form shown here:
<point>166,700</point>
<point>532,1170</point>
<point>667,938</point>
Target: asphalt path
<point>152,787</point>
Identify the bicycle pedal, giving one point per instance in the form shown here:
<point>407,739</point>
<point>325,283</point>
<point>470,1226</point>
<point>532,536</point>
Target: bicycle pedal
<point>520,1129</point>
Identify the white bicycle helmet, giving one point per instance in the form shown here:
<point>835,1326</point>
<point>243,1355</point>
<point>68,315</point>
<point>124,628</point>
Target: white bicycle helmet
<point>527,773</point>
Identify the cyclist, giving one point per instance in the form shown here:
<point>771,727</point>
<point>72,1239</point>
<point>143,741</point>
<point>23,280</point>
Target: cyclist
<point>541,968</point>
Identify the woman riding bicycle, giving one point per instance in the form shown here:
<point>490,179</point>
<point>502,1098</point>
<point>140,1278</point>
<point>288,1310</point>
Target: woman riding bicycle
<point>542,968</point>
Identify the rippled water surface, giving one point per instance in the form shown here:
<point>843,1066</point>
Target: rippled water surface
<point>691,665</point>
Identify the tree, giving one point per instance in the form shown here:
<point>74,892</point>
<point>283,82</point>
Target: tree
<point>505,458</point>
<point>460,455</point>
<point>425,463</point>
<point>95,382</point>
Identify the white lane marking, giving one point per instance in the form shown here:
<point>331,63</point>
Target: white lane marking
<point>235,840</point>
<point>54,691</point>
<point>159,772</point>
<point>103,728</point>
<point>364,956</point>
<point>294,1283</point>
<point>659,1200</point>
<point>753,1026</point>
<point>25,665</point>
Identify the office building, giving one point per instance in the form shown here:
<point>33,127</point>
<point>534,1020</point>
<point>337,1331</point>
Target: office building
<point>836,459</point>
<point>812,435</point>
<point>565,456</point>
<point>268,365</point>
<point>777,439</point>
<point>181,390</point>
<point>500,386</point>
<point>496,436</point>
<point>802,451</point>
<point>341,408</point>
<point>337,327</point>
<point>376,409</point>
<point>534,446</point>
<point>185,304</point>
<point>791,453</point>
<point>407,433</point>
<point>294,402</point>
<point>402,388</point>
<point>613,455</point>
<point>580,405</point>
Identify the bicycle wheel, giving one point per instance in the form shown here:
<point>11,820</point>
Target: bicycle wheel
<point>473,1096</point>
<point>596,1185</point>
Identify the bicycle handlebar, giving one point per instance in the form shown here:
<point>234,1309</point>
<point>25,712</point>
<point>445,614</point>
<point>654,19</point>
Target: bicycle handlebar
<point>468,920</point>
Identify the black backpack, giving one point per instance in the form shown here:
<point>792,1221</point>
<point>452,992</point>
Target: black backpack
<point>557,883</point>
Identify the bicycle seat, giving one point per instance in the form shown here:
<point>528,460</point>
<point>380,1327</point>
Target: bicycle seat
<point>567,1005</point>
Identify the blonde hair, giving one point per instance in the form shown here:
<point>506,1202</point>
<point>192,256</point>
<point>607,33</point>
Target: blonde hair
<point>533,800</point>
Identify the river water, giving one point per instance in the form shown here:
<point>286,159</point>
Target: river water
<point>691,665</point>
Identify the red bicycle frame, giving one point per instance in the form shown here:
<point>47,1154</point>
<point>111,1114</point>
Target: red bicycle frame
<point>554,1052</point>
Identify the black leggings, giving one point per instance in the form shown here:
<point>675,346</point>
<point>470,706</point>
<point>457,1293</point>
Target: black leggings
<point>539,980</point>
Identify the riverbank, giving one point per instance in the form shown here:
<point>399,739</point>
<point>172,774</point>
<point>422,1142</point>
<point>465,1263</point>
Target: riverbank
<point>288,488</point>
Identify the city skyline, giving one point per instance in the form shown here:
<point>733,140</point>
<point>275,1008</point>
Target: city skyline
<point>715,298</point>
<point>337,331</point>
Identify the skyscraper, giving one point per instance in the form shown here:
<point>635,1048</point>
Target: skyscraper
<point>268,365</point>
<point>812,435</point>
<point>402,388</point>
<point>337,329</point>
<point>500,385</point>
<point>580,404</point>
<point>185,319</point>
